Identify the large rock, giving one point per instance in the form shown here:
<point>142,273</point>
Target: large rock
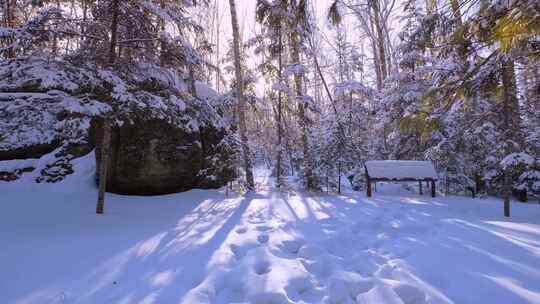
<point>47,108</point>
<point>151,157</point>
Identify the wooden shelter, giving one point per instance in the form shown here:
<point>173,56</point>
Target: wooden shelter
<point>400,171</point>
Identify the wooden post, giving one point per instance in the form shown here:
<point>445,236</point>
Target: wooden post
<point>420,187</point>
<point>432,188</point>
<point>368,187</point>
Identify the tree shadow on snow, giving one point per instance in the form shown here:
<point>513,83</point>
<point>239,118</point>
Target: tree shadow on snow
<point>142,253</point>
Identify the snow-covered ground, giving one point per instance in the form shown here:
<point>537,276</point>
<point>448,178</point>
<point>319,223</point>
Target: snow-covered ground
<point>264,247</point>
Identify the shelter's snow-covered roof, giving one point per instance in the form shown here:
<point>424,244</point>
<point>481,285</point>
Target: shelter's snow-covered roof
<point>400,169</point>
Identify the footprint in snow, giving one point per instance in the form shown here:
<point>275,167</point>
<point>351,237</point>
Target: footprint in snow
<point>298,286</point>
<point>263,238</point>
<point>385,271</point>
<point>310,252</point>
<point>263,228</point>
<point>322,266</point>
<point>389,291</point>
<point>62,298</point>
<point>240,251</point>
<point>409,294</point>
<point>241,230</point>
<point>237,251</point>
<point>262,267</point>
<point>292,246</point>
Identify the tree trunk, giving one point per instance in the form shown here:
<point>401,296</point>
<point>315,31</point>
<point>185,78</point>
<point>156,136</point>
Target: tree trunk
<point>368,188</point>
<point>114,32</point>
<point>377,65</point>
<point>191,82</point>
<point>103,166</point>
<point>55,37</point>
<point>446,185</point>
<point>532,102</point>
<point>302,117</point>
<point>10,23</point>
<point>161,26</point>
<point>290,154</point>
<point>507,72</point>
<point>241,98</point>
<point>514,109</point>
<point>84,19</point>
<point>218,25</point>
<point>380,39</point>
<point>279,126</point>
<point>339,177</point>
<point>477,182</point>
<point>106,141</point>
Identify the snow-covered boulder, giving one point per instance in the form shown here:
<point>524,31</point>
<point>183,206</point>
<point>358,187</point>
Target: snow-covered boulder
<point>165,138</point>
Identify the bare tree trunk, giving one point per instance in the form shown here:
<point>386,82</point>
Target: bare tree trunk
<point>10,23</point>
<point>447,184</point>
<point>339,175</point>
<point>162,43</point>
<point>85,19</point>
<point>218,25</point>
<point>507,72</point>
<point>114,32</point>
<point>55,37</point>
<point>302,117</point>
<point>376,65</point>
<point>532,102</point>
<point>289,153</point>
<point>380,38</point>
<point>241,99</point>
<point>103,166</point>
<point>280,110</point>
<point>515,111</point>
<point>106,141</point>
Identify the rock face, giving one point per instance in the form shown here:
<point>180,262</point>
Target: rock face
<point>151,157</point>
<point>31,151</point>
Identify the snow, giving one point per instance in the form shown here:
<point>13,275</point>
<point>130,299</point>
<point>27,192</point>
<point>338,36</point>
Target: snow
<point>517,158</point>
<point>17,164</point>
<point>204,91</point>
<point>63,106</point>
<point>400,169</point>
<point>268,246</point>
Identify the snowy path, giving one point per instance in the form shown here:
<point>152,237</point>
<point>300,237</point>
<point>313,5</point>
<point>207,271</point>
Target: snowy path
<point>265,247</point>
